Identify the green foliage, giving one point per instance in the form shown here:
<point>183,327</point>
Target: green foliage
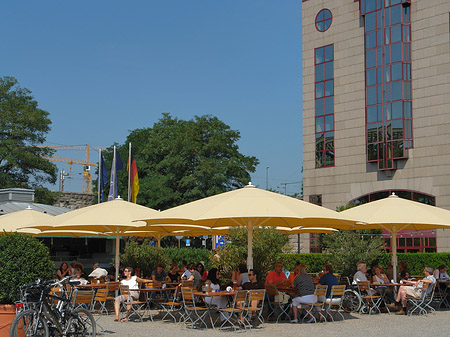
<point>23,126</point>
<point>346,248</point>
<point>23,259</point>
<point>193,255</point>
<point>313,261</point>
<point>145,257</point>
<point>180,161</point>
<point>268,244</point>
<point>44,196</point>
<point>416,261</point>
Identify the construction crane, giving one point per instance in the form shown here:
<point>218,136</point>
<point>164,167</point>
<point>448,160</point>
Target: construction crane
<point>87,178</point>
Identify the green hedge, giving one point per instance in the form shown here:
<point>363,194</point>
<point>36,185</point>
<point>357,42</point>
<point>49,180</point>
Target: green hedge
<point>415,261</point>
<point>194,255</point>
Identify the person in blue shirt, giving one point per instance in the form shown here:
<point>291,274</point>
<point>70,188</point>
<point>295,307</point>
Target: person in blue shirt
<point>328,279</point>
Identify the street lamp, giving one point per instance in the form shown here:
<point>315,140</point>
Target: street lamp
<point>267,177</point>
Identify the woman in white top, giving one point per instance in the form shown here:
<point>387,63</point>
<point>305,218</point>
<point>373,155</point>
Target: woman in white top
<point>213,284</point>
<point>132,282</point>
<point>381,279</point>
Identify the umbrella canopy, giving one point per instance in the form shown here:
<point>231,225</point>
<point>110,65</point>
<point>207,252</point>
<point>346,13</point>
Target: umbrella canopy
<point>250,207</point>
<point>13,222</point>
<point>395,214</point>
<point>114,217</point>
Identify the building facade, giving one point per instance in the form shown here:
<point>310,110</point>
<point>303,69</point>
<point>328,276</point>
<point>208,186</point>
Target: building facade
<point>376,106</point>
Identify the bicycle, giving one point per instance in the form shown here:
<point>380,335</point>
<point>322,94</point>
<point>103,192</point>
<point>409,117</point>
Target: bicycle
<point>40,318</point>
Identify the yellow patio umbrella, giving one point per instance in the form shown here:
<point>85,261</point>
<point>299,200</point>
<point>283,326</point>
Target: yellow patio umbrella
<point>161,231</point>
<point>114,217</point>
<point>13,222</point>
<point>395,214</point>
<point>251,207</point>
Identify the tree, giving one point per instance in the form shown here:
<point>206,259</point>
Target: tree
<point>23,126</point>
<point>180,161</point>
<point>268,244</point>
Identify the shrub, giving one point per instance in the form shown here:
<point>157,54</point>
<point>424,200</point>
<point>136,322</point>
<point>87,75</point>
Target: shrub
<point>145,257</point>
<point>268,244</point>
<point>313,261</point>
<point>194,255</point>
<point>23,259</point>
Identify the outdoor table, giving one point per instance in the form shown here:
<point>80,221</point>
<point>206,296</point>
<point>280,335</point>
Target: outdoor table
<point>212,294</point>
<point>91,286</point>
<point>150,300</point>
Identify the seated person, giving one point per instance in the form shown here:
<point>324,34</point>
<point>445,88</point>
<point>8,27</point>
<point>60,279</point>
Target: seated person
<point>194,276</point>
<point>414,289</point>
<point>186,273</point>
<point>329,280</point>
<point>63,271</point>
<point>132,282</point>
<point>305,290</point>
<point>242,277</point>
<point>277,277</point>
<point>98,273</point>
<point>213,284</point>
<point>361,273</point>
<point>79,276</point>
<point>173,275</point>
<point>405,275</point>
<point>294,274</point>
<point>440,274</point>
<point>159,275</point>
<point>380,278</point>
<point>201,269</point>
<point>253,282</point>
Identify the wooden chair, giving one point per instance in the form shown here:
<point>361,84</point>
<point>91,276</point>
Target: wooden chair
<point>131,306</point>
<point>235,312</point>
<point>100,298</point>
<point>335,301</point>
<point>321,290</point>
<point>371,302</point>
<point>192,313</point>
<point>172,307</point>
<point>83,298</point>
<point>255,304</point>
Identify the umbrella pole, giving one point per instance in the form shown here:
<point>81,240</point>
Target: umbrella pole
<point>250,246</point>
<point>394,255</point>
<point>117,256</point>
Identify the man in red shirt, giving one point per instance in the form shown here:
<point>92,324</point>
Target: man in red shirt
<point>277,277</point>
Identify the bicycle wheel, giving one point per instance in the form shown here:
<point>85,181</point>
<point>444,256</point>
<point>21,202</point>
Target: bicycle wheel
<point>82,324</point>
<point>351,301</point>
<point>29,324</point>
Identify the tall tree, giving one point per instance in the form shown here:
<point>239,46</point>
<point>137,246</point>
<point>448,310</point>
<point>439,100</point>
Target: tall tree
<point>23,126</point>
<point>179,161</point>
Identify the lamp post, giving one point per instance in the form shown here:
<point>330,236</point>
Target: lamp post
<point>267,177</point>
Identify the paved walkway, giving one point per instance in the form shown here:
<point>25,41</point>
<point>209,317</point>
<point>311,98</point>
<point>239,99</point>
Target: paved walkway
<point>354,325</point>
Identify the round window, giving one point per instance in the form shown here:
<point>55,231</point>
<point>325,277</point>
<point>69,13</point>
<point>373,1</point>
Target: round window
<point>323,20</point>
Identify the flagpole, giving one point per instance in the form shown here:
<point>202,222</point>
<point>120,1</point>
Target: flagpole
<point>115,174</point>
<point>129,172</point>
<point>99,175</point>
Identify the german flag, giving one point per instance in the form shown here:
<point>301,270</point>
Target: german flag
<point>134,180</point>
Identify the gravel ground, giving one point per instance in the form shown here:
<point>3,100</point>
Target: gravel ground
<point>375,325</point>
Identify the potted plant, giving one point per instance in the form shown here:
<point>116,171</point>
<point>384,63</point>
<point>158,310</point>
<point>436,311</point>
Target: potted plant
<point>23,259</point>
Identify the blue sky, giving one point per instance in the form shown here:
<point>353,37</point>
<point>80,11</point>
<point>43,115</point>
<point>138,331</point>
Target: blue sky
<point>105,67</point>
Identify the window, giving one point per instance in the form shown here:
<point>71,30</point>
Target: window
<point>316,199</point>
<point>323,20</point>
<point>388,81</point>
<point>324,109</point>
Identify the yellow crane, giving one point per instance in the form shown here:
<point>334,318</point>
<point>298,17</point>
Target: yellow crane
<point>87,178</point>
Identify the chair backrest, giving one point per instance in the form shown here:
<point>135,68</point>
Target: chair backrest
<point>153,285</point>
<point>101,295</point>
<point>186,283</point>
<point>337,290</point>
<point>363,286</point>
<point>321,290</point>
<point>257,295</point>
<point>187,294</point>
<point>315,279</point>
<point>83,297</point>
<point>241,295</point>
<point>113,286</point>
<point>271,290</point>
